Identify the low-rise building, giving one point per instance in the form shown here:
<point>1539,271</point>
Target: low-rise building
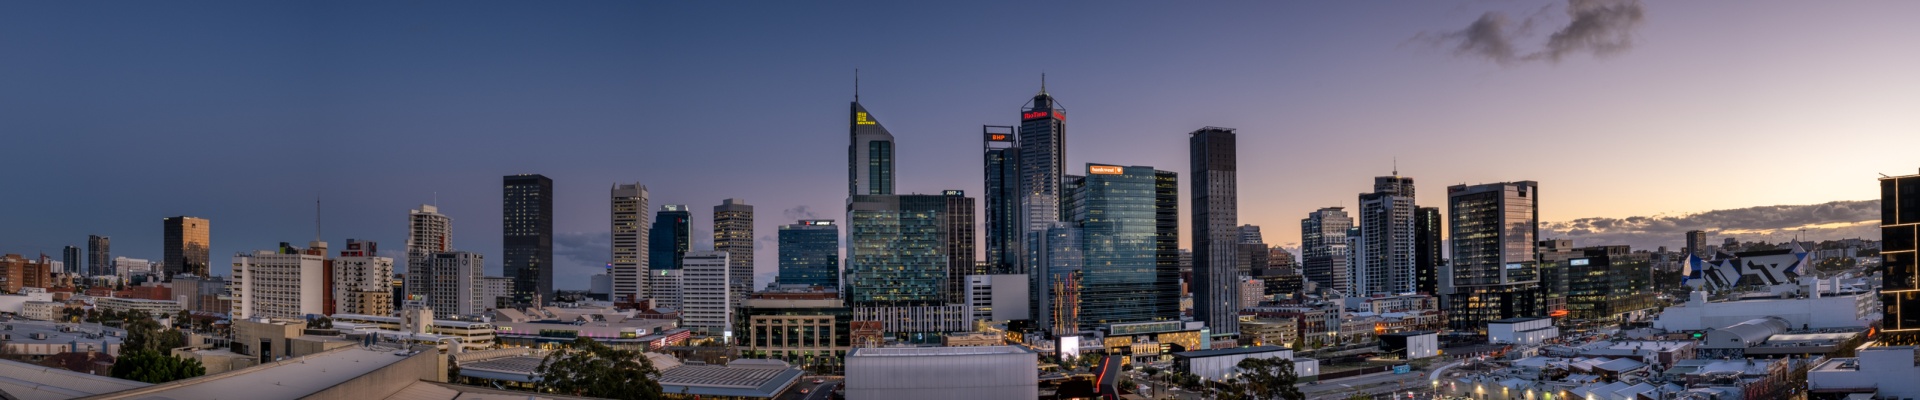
<point>1268,331</point>
<point>1218,365</point>
<point>942,373</point>
<point>471,335</point>
<point>1880,372</point>
<point>151,307</point>
<point>42,310</point>
<point>1524,330</point>
<point>806,329</point>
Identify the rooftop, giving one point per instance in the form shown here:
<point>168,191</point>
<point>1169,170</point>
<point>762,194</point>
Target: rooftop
<point>289,379</point>
<point>22,332</point>
<point>934,351</point>
<point>744,378</point>
<point>1229,352</point>
<point>32,382</point>
<point>1516,320</point>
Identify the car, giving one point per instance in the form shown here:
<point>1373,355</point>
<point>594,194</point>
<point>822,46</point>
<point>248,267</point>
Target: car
<point>805,391</point>
<point>819,381</point>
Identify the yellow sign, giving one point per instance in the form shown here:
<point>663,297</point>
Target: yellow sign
<point>860,118</point>
<point>1105,170</point>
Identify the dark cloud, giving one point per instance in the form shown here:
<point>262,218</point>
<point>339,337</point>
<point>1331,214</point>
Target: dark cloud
<point>799,213</point>
<point>1833,220</point>
<point>585,253</point>
<point>1597,27</point>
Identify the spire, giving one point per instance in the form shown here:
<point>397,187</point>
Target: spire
<point>1396,165</point>
<point>856,85</point>
<point>1043,83</point>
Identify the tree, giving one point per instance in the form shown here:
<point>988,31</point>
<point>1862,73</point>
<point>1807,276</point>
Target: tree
<point>323,323</point>
<point>1359,396</point>
<point>152,367</point>
<point>1271,378</point>
<point>145,334</point>
<point>592,369</point>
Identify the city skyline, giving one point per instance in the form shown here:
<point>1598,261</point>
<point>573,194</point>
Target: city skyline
<point>244,116</point>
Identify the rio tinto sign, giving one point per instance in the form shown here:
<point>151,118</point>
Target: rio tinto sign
<point>1105,170</point>
<point>1032,115</point>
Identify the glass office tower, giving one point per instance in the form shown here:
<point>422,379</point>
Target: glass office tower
<point>896,250</point>
<point>810,253</point>
<point>1900,276</point>
<point>526,222</point>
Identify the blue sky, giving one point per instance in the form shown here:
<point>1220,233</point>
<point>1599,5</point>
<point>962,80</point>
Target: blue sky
<point>117,114</point>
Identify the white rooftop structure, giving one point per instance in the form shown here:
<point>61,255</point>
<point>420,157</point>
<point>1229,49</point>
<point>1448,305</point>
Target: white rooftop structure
<point>24,381</point>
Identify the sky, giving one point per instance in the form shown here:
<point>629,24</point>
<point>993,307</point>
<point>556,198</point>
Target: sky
<point>116,115</point>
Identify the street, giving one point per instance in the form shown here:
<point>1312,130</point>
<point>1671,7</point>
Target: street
<point>821,391</point>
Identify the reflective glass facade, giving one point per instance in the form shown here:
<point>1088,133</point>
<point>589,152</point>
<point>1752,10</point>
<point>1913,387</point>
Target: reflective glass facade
<point>1900,276</point>
<point>527,236</point>
<point>810,253</point>
<point>186,246</point>
<point>667,241</point>
<point>1495,273</point>
<point>1427,257</point>
<point>1118,217</point>
<point>896,250</point>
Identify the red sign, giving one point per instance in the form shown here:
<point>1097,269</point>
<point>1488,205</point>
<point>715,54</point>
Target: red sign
<point>1034,115</point>
<point>999,137</point>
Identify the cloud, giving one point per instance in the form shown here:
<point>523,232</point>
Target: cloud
<point>1596,27</point>
<point>1832,220</point>
<point>799,213</point>
<point>583,249</point>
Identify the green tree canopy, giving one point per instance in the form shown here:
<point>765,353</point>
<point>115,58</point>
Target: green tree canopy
<point>592,369</point>
<point>144,334</point>
<point>1270,378</point>
<point>152,367</point>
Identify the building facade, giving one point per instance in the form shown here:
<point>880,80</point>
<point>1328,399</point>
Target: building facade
<point>278,284</point>
<point>810,253</point>
<point>733,234</point>
<point>185,246</point>
<point>1215,218</point>
<point>706,293</point>
<point>869,153</point>
<point>1043,160</point>
<point>452,283</point>
<point>896,250</point>
<point>670,238</point>
<point>1121,280</point>
<point>629,233</point>
<point>526,227</point>
<point>1494,273</point>
<point>1899,265</point>
<point>428,233</point>
<point>1323,248</point>
<point>1386,238</point>
<point>1427,258</point>
<point>99,255</point>
<point>959,224</point>
<point>1005,233</point>
<point>360,280</point>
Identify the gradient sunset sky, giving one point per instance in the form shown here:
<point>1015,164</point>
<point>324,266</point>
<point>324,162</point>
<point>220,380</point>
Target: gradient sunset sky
<point>117,114</point>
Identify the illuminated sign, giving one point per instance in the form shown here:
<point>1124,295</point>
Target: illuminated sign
<point>1577,262</point>
<point>953,193</point>
<point>1516,266</point>
<point>860,118</point>
<point>1105,170</point>
<point>1033,115</point>
<point>999,137</point>
<point>816,222</point>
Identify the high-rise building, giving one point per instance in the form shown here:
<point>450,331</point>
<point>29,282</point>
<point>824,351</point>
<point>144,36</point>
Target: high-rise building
<point>1697,244</point>
<point>959,225</point>
<point>810,253</point>
<point>733,234</point>
<point>1058,265</point>
<point>896,250</point>
<point>526,228</point>
<point>1280,262</point>
<point>1386,238</point>
<point>629,233</point>
<point>1166,236</point>
<point>99,255</point>
<point>454,283</point>
<point>1043,157</point>
<point>428,232</point>
<point>17,272</point>
<point>1251,254</point>
<point>706,299</point>
<point>665,287</point>
<point>1115,209</point>
<point>1427,256</point>
<point>869,154</point>
<point>70,256</point>
<point>185,245</point>
<point>1005,233</point>
<point>280,283</point>
<point>1215,215</point>
<point>1900,275</point>
<point>670,238</point>
<point>496,291</point>
<point>361,280</point>
<point>1250,234</point>
<point>1323,248</point>
<point>1494,272</point>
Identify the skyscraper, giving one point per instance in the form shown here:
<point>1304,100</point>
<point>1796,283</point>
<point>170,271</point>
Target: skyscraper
<point>733,234</point>
<point>1426,250</point>
<point>810,253</point>
<point>1323,248</point>
<point>1250,234</point>
<point>526,227</point>
<point>959,225</point>
<point>1697,244</point>
<point>1216,296</point>
<point>1058,266</point>
<point>629,233</point>
<point>1043,155</point>
<point>70,257</point>
<point>455,283</point>
<point>99,255</point>
<point>428,232</point>
<point>1116,211</point>
<point>281,283</point>
<point>1386,237</point>
<point>1166,236</point>
<point>869,153</point>
<point>1005,232</point>
<point>896,250</point>
<point>1495,271</point>
<point>706,298</point>
<point>361,280</point>
<point>669,240</point>
<point>185,246</point>
<point>1900,275</point>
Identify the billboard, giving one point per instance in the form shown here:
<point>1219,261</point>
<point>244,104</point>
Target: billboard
<point>1105,170</point>
<point>1000,137</point>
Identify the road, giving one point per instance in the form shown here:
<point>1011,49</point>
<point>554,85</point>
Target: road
<point>1375,383</point>
<point>822,391</point>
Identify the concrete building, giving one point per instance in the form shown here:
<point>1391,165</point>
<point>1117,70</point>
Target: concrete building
<point>1325,258</point>
<point>151,307</point>
<point>630,228</point>
<point>1252,292</point>
<point>1386,249</point>
<point>526,226</point>
<point>99,258</point>
<point>600,286</point>
<point>1531,330</point>
<point>1880,372</point>
<point>666,286</point>
<point>1412,345</point>
<point>1819,308</point>
<point>1218,365</point>
<point>421,327</point>
<point>185,243</point>
<point>361,280</point>
<point>451,283</point>
<point>278,284</point>
<point>428,233</point>
<point>202,294</point>
<point>1215,218</point>
<point>942,373</point>
<point>707,298</point>
<point>998,298</point>
<point>18,272</point>
<point>496,292</point>
<point>733,234</point>
<point>127,268</point>
<point>806,329</point>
